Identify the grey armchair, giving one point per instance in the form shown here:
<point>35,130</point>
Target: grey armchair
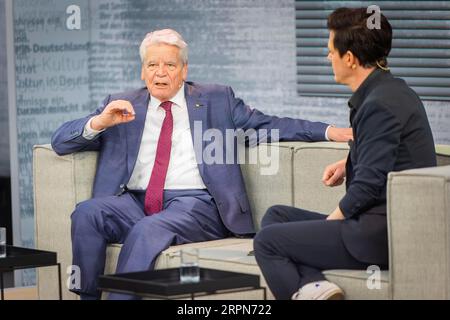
<point>418,220</point>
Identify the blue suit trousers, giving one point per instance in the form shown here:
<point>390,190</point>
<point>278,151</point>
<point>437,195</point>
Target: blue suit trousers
<point>187,216</point>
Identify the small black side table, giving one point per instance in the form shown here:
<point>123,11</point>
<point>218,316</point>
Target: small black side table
<point>24,258</point>
<point>165,283</point>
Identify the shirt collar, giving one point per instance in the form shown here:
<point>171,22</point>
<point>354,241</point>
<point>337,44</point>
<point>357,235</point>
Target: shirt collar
<point>178,99</point>
<point>366,87</point>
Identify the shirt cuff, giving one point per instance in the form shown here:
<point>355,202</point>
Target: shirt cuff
<point>89,133</point>
<point>326,133</point>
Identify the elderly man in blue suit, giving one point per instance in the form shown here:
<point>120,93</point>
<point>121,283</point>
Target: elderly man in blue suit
<point>151,189</point>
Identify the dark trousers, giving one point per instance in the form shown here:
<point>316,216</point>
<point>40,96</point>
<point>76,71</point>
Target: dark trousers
<point>294,246</point>
<point>187,216</point>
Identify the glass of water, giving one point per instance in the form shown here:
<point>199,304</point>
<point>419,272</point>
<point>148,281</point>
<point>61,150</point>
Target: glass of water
<point>2,242</point>
<point>189,269</point>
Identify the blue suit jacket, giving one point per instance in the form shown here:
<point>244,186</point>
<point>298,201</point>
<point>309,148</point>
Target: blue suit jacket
<point>216,107</point>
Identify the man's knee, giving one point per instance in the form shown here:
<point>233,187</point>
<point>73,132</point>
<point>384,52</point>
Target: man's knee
<point>261,240</point>
<point>270,241</point>
<point>86,211</point>
<point>150,226</point>
<point>272,215</point>
<point>267,236</point>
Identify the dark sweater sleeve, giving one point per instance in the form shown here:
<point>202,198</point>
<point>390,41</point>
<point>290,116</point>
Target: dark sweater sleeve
<point>378,137</point>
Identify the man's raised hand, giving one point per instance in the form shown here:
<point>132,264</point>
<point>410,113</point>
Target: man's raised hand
<point>116,112</point>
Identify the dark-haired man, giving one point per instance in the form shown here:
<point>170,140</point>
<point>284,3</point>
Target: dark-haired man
<point>391,133</point>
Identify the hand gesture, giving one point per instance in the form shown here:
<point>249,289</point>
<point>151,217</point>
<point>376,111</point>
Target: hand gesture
<point>334,174</point>
<point>116,112</point>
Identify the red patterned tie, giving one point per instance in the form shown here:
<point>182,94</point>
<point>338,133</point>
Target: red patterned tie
<point>155,188</point>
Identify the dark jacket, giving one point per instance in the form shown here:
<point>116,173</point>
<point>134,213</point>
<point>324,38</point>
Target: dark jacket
<point>391,133</point>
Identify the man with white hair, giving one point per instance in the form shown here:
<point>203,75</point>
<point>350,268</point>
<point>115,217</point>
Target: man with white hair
<point>151,189</point>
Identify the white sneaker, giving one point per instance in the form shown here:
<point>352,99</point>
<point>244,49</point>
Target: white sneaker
<point>321,290</point>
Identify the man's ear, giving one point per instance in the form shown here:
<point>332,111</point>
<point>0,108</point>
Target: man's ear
<point>351,60</point>
<point>142,73</point>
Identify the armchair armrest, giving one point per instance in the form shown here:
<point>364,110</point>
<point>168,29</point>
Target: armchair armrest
<point>60,182</point>
<point>418,207</point>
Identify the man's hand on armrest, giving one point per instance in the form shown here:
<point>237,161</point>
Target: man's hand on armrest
<point>339,134</point>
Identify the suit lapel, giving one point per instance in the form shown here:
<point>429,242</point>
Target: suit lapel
<point>135,128</point>
<point>198,114</point>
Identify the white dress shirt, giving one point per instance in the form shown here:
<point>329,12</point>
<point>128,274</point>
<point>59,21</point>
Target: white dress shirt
<point>183,170</point>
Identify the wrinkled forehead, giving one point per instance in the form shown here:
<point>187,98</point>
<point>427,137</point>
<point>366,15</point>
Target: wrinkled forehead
<point>162,51</point>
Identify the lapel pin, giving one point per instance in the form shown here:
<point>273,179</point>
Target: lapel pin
<point>198,105</point>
